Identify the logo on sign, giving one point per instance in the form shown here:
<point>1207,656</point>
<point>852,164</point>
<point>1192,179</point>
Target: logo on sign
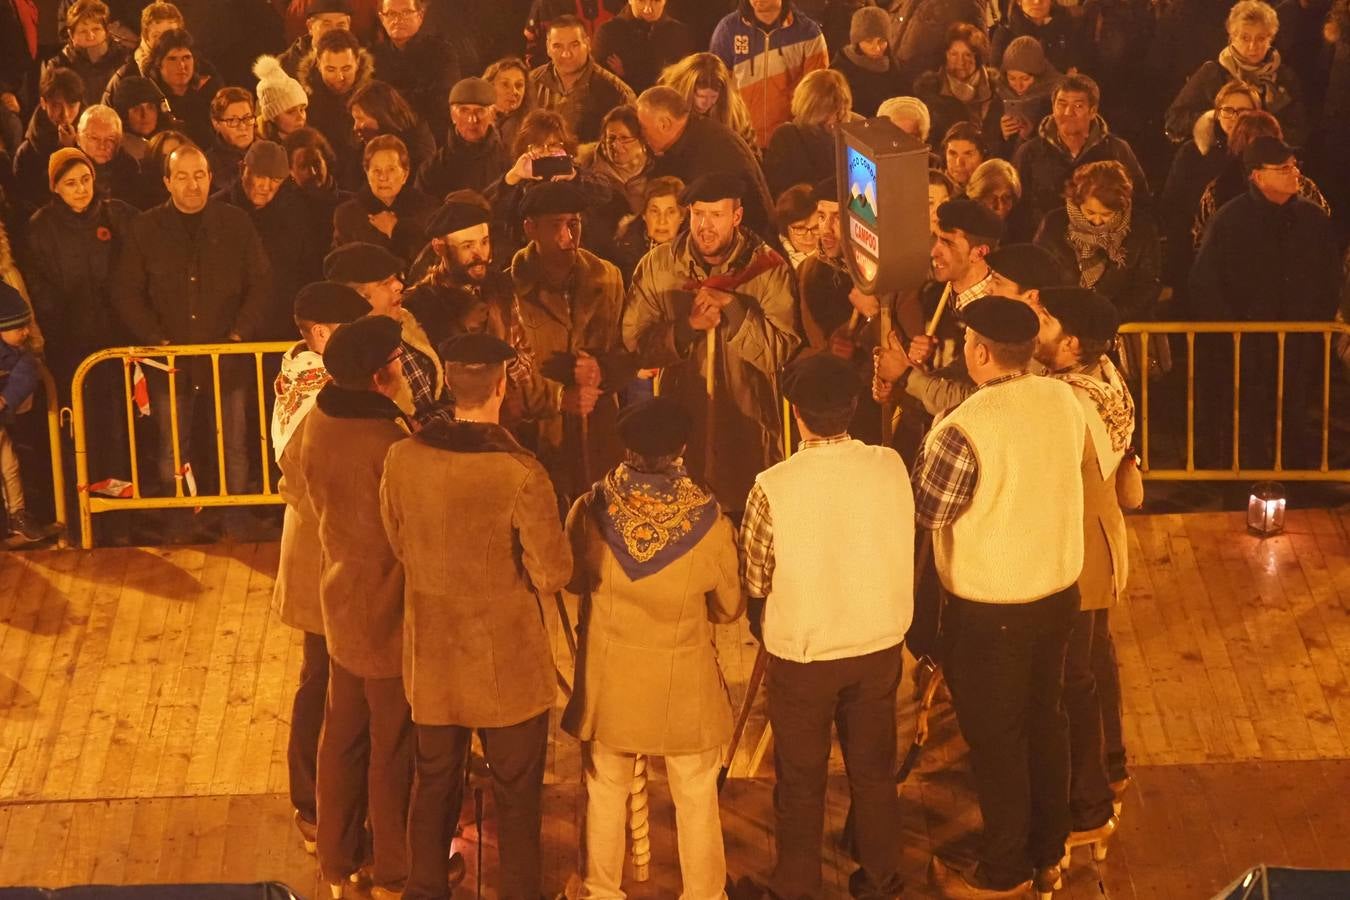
<point>741,44</point>
<point>863,236</point>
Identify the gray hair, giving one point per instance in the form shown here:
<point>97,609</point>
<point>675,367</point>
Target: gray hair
<point>1252,12</point>
<point>909,108</point>
<point>100,113</point>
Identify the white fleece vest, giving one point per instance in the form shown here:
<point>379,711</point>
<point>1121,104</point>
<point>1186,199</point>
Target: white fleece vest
<point>1021,537</point>
<point>843,544</point>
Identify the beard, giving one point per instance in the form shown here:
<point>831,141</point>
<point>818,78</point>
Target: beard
<point>475,271</point>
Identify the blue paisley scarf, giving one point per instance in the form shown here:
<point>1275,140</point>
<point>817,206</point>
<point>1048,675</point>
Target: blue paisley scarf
<point>651,519</point>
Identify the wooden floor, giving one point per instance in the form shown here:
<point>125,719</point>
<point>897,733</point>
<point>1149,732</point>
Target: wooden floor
<point>144,698</point>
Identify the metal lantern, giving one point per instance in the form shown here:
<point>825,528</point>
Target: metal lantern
<point>1265,508</point>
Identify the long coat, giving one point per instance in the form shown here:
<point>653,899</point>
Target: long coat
<point>476,650</point>
<point>1133,287</point>
<point>647,675</point>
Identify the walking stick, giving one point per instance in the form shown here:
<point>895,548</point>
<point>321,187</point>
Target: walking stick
<point>742,717</point>
<point>638,820</point>
<point>710,385</point>
<point>941,308</point>
<point>586,449</point>
<point>568,634</point>
<point>887,422</point>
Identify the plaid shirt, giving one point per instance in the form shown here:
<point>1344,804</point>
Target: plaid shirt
<point>421,375</point>
<point>757,531</point>
<point>945,474</point>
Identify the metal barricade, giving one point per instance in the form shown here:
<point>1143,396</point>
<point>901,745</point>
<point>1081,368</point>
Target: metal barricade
<point>170,356</point>
<point>1280,331</point>
<point>58,462</point>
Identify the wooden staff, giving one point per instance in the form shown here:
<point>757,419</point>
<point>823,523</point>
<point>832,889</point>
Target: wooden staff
<point>887,421</point>
<point>638,820</point>
<point>742,717</point>
<point>941,308</point>
<point>710,385</point>
<point>586,449</point>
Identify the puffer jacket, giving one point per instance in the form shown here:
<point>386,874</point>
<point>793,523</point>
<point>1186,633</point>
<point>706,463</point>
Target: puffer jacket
<point>95,75</point>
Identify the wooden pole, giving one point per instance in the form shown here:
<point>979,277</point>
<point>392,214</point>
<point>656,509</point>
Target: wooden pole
<point>710,386</point>
<point>638,820</point>
<point>887,422</point>
<point>941,308</point>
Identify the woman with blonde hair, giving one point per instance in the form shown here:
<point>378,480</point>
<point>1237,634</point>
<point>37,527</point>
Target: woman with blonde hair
<point>802,151</point>
<point>707,86</point>
<point>510,78</point>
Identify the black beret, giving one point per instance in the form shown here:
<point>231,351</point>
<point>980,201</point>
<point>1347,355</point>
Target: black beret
<point>475,349</point>
<point>455,215</point>
<point>360,263</point>
<point>1266,151</point>
<point>827,190</point>
<point>1082,312</point>
<point>821,383</point>
<point>975,219</point>
<point>552,198</point>
<point>1002,320</point>
<point>329,303</point>
<point>1028,266</point>
<point>655,427</point>
<point>359,350</point>
<point>714,186</point>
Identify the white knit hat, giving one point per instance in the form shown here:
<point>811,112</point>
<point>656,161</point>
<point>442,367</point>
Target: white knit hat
<point>277,91</point>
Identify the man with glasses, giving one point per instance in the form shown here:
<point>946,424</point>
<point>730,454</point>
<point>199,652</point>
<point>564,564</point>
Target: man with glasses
<point>99,135</point>
<point>421,65</point>
<point>572,85</point>
<point>472,156</point>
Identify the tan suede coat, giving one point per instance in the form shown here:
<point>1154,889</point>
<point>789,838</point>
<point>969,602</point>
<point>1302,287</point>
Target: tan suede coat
<point>295,593</point>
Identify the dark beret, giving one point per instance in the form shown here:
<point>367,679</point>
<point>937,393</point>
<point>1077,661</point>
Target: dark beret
<point>456,216</point>
<point>318,7</point>
<point>329,303</point>
<point>133,91</point>
<point>474,91</point>
<point>827,190</point>
<point>1082,312</point>
<point>655,427</point>
<point>359,350</point>
<point>552,198</point>
<point>1002,320</point>
<point>976,220</point>
<point>475,350</point>
<point>714,186</point>
<point>360,263</point>
<point>1030,267</point>
<point>1266,151</point>
<point>821,383</point>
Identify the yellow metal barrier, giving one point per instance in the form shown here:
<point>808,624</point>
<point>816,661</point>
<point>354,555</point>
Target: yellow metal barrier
<point>58,463</point>
<point>1237,330</point>
<point>170,356</point>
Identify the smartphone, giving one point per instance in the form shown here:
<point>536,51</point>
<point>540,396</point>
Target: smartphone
<point>546,167</point>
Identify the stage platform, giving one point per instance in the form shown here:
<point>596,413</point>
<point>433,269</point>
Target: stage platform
<point>144,699</point>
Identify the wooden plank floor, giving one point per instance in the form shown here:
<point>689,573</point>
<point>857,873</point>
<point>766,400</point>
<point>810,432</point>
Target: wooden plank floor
<point>144,705</point>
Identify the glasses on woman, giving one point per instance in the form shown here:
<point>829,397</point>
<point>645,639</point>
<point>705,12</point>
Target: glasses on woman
<point>803,231</point>
<point>238,121</point>
<point>619,140</point>
<point>1231,112</point>
<point>549,148</point>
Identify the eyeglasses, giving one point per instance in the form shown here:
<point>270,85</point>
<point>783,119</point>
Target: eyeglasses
<point>547,149</point>
<point>618,140</point>
<point>803,230</point>
<point>238,121</point>
<point>1286,169</point>
<point>400,15</point>
<point>1231,112</point>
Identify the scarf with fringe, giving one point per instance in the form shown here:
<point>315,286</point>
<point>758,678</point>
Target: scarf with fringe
<point>1095,246</point>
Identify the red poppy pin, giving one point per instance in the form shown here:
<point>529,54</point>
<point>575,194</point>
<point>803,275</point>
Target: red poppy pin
<point>103,234</point>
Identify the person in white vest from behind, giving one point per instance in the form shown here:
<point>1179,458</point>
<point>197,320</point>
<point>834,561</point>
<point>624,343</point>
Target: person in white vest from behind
<point>998,482</point>
<point>827,546</point>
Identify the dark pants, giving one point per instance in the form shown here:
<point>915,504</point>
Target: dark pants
<point>302,750</point>
<point>1005,668</point>
<point>515,755</point>
<point>365,767</point>
<point>233,394</point>
<point>1106,671</point>
<point>857,695</point>
<point>1089,791</point>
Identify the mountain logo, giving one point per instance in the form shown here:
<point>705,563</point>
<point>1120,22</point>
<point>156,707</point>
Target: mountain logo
<point>863,202</point>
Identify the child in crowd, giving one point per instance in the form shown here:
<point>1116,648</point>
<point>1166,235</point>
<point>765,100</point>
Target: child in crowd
<point>19,379</point>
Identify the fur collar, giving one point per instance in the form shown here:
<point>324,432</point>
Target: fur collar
<point>343,403</point>
<point>1207,134</point>
<point>471,437</point>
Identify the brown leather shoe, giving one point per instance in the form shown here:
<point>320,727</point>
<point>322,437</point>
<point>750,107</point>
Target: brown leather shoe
<point>962,883</point>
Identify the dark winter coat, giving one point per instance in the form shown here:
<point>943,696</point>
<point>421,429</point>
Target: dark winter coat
<point>1200,89</point>
<point>1044,165</point>
<point>946,110</point>
<point>120,177</point>
<point>69,269</point>
<point>605,206</point>
<point>40,141</point>
<point>870,86</point>
<point>593,13</point>
<point>1196,163</point>
<point>327,111</point>
<point>351,221</point>
<point>423,71</point>
<point>300,48</point>
<point>418,139</point>
<point>1132,287</point>
<point>630,246</point>
<point>95,75</point>
<point>709,146</point>
<point>444,308</point>
<point>225,160</point>
<point>595,93</point>
<point>1062,38</point>
<point>920,41</point>
<point>798,154</point>
<point>461,164</point>
<point>643,48</point>
<point>193,109</point>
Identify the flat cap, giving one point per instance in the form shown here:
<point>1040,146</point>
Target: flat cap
<point>1266,151</point>
<point>329,303</point>
<point>552,198</point>
<point>319,7</point>
<point>976,220</point>
<point>267,158</point>
<point>475,350</point>
<point>1002,320</point>
<point>821,383</point>
<point>360,263</point>
<point>455,215</point>
<point>1028,266</point>
<point>476,91</point>
<point>1082,312</point>
<point>655,427</point>
<point>714,186</point>
<point>359,350</point>
<point>827,190</point>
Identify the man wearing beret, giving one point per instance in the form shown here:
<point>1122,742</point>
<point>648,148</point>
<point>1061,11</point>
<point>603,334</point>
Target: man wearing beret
<point>718,283</point>
<point>473,155</point>
<point>319,309</point>
<point>570,304</point>
<point>656,561</point>
<point>834,612</point>
<point>477,654</point>
<point>1078,327</point>
<point>366,746</point>
<point>376,274</point>
<point>1005,504</point>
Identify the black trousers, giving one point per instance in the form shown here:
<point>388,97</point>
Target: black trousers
<point>302,749</point>
<point>1106,671</point>
<point>515,756</point>
<point>1089,790</point>
<point>857,696</point>
<point>1006,673</point>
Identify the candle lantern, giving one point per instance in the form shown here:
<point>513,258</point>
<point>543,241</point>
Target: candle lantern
<point>1265,508</point>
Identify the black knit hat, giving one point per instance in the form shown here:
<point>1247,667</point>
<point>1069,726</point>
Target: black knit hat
<point>14,311</point>
<point>655,427</point>
<point>1028,266</point>
<point>329,303</point>
<point>980,224</point>
<point>359,350</point>
<point>133,91</point>
<point>827,190</point>
<point>455,216</point>
<point>821,383</point>
<point>552,198</point>
<point>1002,320</point>
<point>1082,313</point>
<point>714,186</point>
<point>360,263</point>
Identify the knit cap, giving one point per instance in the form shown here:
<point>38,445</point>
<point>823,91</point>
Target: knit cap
<point>60,162</point>
<point>14,311</point>
<point>1025,54</point>
<point>133,91</point>
<point>277,91</point>
<point>869,22</point>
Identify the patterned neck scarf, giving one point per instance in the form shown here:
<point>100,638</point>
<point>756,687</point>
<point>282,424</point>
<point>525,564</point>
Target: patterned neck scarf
<point>1096,245</point>
<point>1262,77</point>
<point>651,519</point>
<point>1101,387</point>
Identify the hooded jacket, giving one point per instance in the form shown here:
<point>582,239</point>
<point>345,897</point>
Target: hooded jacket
<point>327,111</point>
<point>1044,164</point>
<point>768,61</point>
